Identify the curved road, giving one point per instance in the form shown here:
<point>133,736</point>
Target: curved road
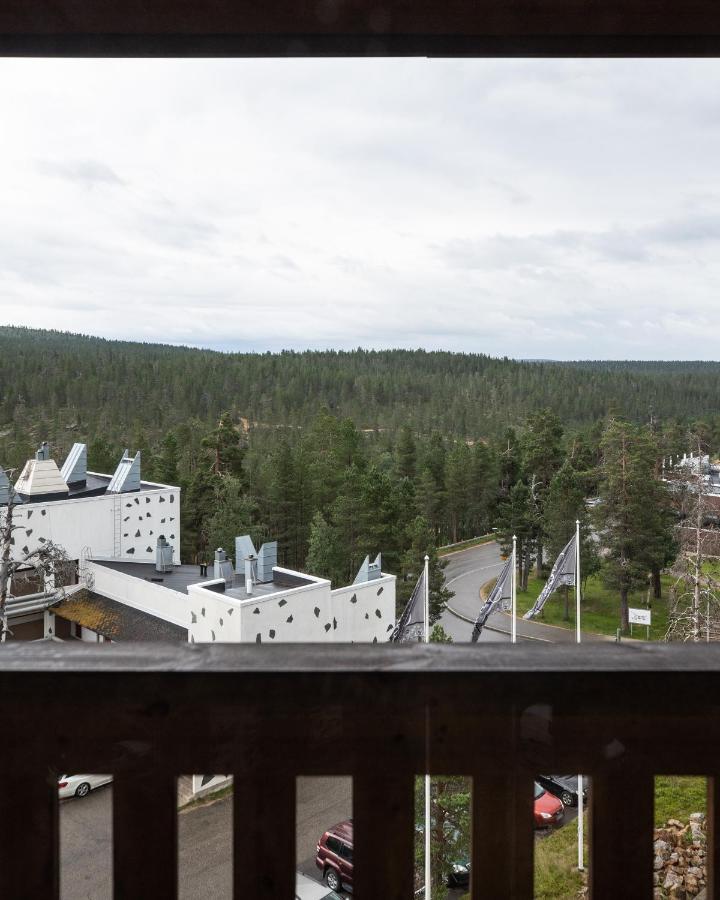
<point>466,572</point>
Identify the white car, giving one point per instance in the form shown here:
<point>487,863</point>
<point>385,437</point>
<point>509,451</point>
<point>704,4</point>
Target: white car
<point>80,785</point>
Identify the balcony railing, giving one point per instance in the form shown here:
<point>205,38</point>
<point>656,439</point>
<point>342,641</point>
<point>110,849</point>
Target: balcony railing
<point>382,714</point>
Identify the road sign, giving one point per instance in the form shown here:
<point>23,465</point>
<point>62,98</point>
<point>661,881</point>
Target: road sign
<point>640,616</point>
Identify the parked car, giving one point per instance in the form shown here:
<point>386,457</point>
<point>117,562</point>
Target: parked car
<point>564,787</point>
<point>334,856</point>
<point>80,785</point>
<point>459,874</point>
<point>548,810</point>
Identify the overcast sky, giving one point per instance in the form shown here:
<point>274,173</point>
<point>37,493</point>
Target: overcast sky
<point>554,209</point>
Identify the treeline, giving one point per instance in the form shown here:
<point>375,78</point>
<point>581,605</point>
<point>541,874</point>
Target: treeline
<point>55,385</point>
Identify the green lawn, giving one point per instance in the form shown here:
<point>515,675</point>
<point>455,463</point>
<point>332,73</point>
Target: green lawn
<point>600,608</point>
<point>447,549</point>
<point>676,796</point>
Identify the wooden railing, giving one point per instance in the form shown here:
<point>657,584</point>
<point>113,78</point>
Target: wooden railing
<point>382,714</point>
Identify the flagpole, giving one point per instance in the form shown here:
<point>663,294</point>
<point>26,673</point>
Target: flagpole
<point>578,639</point>
<point>428,882</point>
<point>513,594</point>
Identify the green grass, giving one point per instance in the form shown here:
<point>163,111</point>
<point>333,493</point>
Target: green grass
<point>600,608</point>
<point>676,796</point>
<point>447,549</point>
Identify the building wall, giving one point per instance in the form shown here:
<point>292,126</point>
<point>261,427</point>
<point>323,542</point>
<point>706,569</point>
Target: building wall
<point>311,613</point>
<point>113,526</point>
<point>155,599</point>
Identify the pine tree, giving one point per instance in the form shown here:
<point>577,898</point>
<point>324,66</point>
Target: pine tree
<point>542,456</point>
<point>516,516</point>
<point>406,453</point>
<point>325,552</point>
<point>421,542</point>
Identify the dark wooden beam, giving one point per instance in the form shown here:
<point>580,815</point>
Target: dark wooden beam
<point>360,27</point>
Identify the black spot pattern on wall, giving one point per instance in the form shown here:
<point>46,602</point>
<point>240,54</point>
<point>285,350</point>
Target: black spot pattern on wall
<point>328,626</point>
<point>137,533</point>
<point>42,540</point>
<point>137,501</point>
<point>126,519</point>
<point>193,618</point>
<point>192,638</point>
<point>202,611</point>
<point>126,534</point>
<point>289,620</point>
<point>221,622</point>
<point>172,518</point>
<point>148,549</point>
<point>282,602</point>
<point>140,518</point>
<point>380,591</point>
<point>374,640</point>
<point>129,505</point>
<point>43,512</point>
<point>353,599</point>
<point>230,611</point>
<point>147,499</point>
<point>378,614</point>
<point>162,521</point>
<point>317,612</point>
<point>334,624</point>
<point>258,638</point>
<point>389,628</point>
<point>30,512</point>
<point>272,632</point>
<point>130,551</point>
<point>367,615</point>
<point>172,498</point>
<point>147,515</point>
<point>212,633</point>
<point>256,611</point>
<point>28,531</point>
<point>162,499</point>
<point>172,536</point>
<point>151,533</point>
<point>26,549</point>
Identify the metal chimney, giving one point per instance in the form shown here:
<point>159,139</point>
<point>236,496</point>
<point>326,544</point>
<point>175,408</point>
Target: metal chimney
<point>163,555</point>
<point>43,451</point>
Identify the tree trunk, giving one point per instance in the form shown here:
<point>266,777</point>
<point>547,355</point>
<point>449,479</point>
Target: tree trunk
<point>538,563</point>
<point>624,614</point>
<point>657,584</point>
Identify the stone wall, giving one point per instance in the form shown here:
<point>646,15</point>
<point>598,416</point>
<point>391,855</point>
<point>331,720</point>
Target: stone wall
<point>679,865</point>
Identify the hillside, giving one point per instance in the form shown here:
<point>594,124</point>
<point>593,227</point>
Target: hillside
<point>53,380</point>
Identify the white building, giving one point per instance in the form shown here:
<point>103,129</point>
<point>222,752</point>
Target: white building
<point>124,535</point>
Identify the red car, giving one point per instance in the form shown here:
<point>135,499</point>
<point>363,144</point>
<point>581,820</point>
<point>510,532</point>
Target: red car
<point>548,810</point>
<point>335,856</point>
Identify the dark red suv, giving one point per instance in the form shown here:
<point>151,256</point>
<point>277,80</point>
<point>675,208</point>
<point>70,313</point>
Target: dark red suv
<point>335,856</point>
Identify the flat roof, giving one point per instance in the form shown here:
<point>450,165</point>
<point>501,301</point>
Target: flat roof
<point>182,576</point>
<point>116,621</point>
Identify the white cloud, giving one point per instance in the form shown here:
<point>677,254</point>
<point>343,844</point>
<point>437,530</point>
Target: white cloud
<point>528,208</point>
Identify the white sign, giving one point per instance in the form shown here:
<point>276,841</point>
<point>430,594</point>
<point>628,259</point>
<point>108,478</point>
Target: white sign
<point>639,616</point>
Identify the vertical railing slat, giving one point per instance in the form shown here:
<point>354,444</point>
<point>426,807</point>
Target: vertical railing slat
<point>29,828</point>
<point>384,833</point>
<point>264,836</point>
<point>621,832</point>
<point>145,864</point>
<point>502,832</point>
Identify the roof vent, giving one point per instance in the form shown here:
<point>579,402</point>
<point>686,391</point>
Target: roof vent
<point>163,555</point>
<point>74,470</point>
<point>40,478</point>
<point>369,571</point>
<point>127,475</point>
<point>266,560</point>
<point>223,566</point>
<point>244,549</point>
<point>43,451</point>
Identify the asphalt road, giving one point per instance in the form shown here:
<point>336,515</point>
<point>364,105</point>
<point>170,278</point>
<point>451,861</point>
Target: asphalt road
<point>205,840</point>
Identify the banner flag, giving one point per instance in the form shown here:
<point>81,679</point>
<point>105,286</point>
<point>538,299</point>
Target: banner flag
<point>501,591</point>
<point>411,626</point>
<point>563,572</point>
